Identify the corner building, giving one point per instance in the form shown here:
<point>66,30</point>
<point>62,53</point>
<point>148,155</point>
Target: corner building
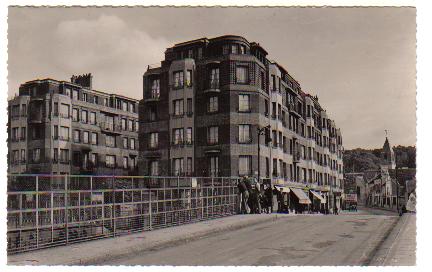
<point>61,127</point>
<point>202,106</point>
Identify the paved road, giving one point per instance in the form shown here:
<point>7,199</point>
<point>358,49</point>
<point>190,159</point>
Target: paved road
<point>347,239</point>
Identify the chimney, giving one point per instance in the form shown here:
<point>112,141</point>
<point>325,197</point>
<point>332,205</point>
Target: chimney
<point>84,80</point>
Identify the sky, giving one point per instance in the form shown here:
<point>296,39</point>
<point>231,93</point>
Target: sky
<point>361,62</point>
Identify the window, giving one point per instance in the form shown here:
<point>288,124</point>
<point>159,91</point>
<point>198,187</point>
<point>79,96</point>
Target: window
<point>225,49</point>
<point>55,132</point>
<point>55,155</point>
<point>76,158</point>
<point>96,99</point>
<point>93,118</point>
<point>15,156</point>
<point>86,137</point>
<point>110,160</point>
<point>23,155</point>
<point>262,80</point>
<point>64,110</point>
<point>36,155</point>
<point>24,110</point>
<point>178,107</point>
<point>189,78</point>
<point>124,106</point>
<point>75,94</point>
<point>178,79</point>
<point>190,53</point>
<point>110,141</point>
<point>84,97</point>
<point>152,114</point>
<point>154,140</point>
<point>214,78</point>
<point>266,108</point>
<point>123,124</point>
<point>189,106</point>
<point>200,53</point>
<point>214,166</point>
<point>189,135</point>
<point>242,49</point>
<point>125,143</point>
<point>64,155</point>
<point>212,135</point>
<point>178,136</point>
<point>273,83</point>
<point>131,125</point>
<point>84,116</point>
<point>154,168</point>
<point>76,136</point>
<point>189,166</point>
<point>15,134</point>
<point>177,166</point>
<point>155,89</point>
<point>245,165</point>
<point>23,133</point>
<point>15,110</point>
<point>94,138</point>
<point>75,115</point>
<point>109,122</point>
<point>131,107</point>
<point>234,49</point>
<point>132,162</point>
<point>274,137</point>
<point>241,74</point>
<point>125,162</point>
<point>132,143</point>
<point>274,110</point>
<point>106,102</point>
<point>244,134</point>
<point>244,103</point>
<point>136,126</point>
<point>64,133</point>
<point>67,92</point>
<point>213,104</point>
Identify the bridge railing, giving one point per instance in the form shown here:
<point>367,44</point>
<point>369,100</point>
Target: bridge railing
<point>49,210</point>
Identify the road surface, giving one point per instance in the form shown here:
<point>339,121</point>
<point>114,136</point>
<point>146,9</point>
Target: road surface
<point>346,239</point>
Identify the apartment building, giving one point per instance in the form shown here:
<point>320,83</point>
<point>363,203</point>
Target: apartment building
<point>202,108</point>
<point>60,127</point>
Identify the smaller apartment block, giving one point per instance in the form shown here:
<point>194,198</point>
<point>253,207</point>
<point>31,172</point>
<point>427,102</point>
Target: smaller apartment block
<point>60,127</point>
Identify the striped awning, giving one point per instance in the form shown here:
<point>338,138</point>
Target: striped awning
<point>318,195</point>
<point>303,198</point>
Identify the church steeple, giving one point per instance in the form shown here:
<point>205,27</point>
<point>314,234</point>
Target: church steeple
<point>388,154</point>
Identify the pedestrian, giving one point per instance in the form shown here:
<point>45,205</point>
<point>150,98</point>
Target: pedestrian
<point>244,195</point>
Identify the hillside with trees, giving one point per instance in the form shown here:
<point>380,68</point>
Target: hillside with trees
<point>359,160</point>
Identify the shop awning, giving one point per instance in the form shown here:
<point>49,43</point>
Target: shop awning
<point>303,198</point>
<point>283,189</point>
<point>318,195</point>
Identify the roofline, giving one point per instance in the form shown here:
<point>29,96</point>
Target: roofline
<point>77,85</point>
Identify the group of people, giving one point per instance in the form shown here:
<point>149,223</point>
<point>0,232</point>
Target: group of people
<point>254,198</point>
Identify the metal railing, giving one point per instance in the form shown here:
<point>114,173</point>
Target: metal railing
<point>49,210</point>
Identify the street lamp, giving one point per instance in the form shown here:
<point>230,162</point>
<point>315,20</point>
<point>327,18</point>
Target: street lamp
<point>260,131</point>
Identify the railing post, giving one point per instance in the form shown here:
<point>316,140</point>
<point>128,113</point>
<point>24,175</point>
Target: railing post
<point>37,211</point>
<point>52,216</point>
<point>66,207</point>
<point>150,209</point>
<point>113,213</point>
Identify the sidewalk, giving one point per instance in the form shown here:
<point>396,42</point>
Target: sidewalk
<point>98,251</point>
<point>399,248</point>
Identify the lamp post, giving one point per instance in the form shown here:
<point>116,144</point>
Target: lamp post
<point>260,131</point>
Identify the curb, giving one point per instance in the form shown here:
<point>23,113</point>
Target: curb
<point>372,254</point>
<point>134,250</point>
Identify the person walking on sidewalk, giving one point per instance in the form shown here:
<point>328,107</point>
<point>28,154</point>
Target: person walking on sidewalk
<point>244,195</point>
